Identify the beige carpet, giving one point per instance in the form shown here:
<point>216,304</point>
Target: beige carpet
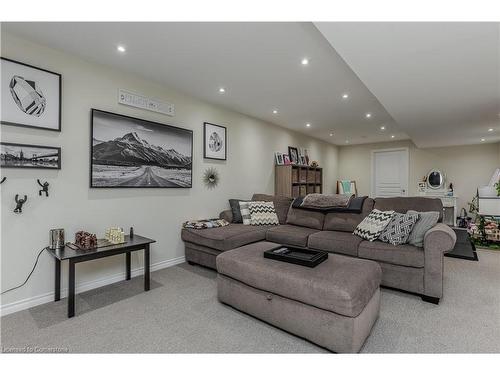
<point>181,314</point>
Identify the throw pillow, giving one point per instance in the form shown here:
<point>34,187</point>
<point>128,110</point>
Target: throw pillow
<point>374,224</point>
<point>235,209</point>
<point>263,213</point>
<point>426,221</point>
<point>398,230</point>
<point>245,212</point>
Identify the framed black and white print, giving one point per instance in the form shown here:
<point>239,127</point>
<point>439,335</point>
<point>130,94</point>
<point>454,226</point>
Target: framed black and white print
<point>127,152</point>
<point>294,155</point>
<point>17,155</point>
<point>214,141</point>
<point>30,96</point>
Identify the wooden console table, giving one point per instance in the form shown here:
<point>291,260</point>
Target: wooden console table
<point>78,256</point>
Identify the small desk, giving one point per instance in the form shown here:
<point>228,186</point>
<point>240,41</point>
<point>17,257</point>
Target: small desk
<point>77,256</point>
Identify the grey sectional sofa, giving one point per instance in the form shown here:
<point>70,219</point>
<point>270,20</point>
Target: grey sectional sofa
<point>404,267</point>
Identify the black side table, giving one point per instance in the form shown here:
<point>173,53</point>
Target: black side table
<point>77,256</point>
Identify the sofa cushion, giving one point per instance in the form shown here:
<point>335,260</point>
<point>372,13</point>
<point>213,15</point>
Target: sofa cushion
<point>374,224</point>
<point>245,212</point>
<point>426,220</point>
<point>290,235</point>
<point>281,204</point>
<point>262,213</point>
<point>403,255</point>
<point>347,222</point>
<point>305,218</point>
<point>404,204</point>
<point>335,242</point>
<point>225,238</point>
<point>235,209</point>
<point>340,284</point>
<point>398,230</point>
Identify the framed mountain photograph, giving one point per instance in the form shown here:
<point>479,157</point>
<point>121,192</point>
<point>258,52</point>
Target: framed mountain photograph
<point>128,152</point>
<point>17,155</point>
<point>214,141</point>
<point>30,96</point>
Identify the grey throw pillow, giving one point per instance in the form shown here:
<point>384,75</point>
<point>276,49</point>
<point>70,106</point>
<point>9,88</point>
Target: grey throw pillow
<point>235,209</point>
<point>398,230</point>
<point>425,222</point>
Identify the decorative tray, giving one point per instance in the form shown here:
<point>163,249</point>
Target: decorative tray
<point>302,257</point>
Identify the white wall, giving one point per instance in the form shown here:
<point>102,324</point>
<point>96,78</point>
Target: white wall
<point>156,213</point>
<point>467,167</point>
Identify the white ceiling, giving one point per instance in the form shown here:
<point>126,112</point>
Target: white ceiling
<point>439,81</point>
<point>259,64</point>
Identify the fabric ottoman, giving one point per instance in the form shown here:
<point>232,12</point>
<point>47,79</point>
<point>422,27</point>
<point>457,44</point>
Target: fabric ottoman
<point>333,305</point>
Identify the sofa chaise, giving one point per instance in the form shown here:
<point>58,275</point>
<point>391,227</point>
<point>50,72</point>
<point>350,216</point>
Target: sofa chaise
<point>405,267</point>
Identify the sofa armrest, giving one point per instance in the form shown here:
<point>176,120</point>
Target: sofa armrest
<point>438,240</point>
<point>226,215</point>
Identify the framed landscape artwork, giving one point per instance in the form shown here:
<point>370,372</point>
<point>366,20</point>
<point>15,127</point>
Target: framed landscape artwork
<point>128,152</point>
<point>16,155</point>
<point>30,96</point>
<point>214,141</point>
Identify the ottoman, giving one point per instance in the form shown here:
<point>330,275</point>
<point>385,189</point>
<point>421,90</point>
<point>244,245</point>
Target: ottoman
<point>333,305</point>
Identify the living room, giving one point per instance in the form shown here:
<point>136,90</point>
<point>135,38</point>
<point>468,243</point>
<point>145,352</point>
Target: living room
<point>150,169</point>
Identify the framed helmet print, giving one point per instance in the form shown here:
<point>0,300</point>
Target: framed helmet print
<point>31,96</point>
<point>214,141</point>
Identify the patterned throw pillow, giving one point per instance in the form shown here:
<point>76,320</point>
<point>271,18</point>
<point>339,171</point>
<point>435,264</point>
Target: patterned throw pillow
<point>245,212</point>
<point>374,224</point>
<point>398,230</point>
<point>262,213</point>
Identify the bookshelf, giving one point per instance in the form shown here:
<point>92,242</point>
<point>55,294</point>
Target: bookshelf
<point>297,180</point>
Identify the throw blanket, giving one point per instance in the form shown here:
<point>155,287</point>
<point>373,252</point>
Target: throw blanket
<point>205,224</point>
<point>326,200</point>
<point>355,206</point>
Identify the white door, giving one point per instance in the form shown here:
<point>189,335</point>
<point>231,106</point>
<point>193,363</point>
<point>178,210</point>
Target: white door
<point>390,173</point>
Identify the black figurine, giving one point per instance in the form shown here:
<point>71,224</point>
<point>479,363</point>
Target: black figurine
<point>19,204</point>
<point>131,232</point>
<point>45,188</point>
<point>3,180</point>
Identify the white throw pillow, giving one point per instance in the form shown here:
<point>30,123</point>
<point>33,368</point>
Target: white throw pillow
<point>262,213</point>
<point>374,224</point>
<point>245,212</point>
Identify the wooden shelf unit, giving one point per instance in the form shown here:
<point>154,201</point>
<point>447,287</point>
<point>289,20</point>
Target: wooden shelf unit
<point>297,180</point>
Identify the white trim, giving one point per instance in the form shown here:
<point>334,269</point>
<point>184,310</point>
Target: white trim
<point>372,177</point>
<point>24,304</point>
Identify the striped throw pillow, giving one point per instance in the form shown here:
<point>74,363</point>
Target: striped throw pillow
<point>245,212</point>
<point>374,224</point>
<point>262,213</point>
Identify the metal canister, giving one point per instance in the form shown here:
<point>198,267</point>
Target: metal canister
<point>56,239</point>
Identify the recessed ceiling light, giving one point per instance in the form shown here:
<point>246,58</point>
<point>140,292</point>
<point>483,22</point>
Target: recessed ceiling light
<point>305,61</point>
<point>346,141</point>
<point>345,96</point>
<point>222,90</point>
<point>382,127</point>
<point>275,111</point>
<point>121,48</point>
<point>331,134</point>
<point>308,125</point>
<point>393,136</point>
<point>482,139</point>
<point>490,129</point>
<point>368,115</point>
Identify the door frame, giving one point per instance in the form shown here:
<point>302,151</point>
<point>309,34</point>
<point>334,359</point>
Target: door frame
<point>372,178</point>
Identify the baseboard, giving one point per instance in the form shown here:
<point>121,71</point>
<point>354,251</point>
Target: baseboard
<point>24,304</point>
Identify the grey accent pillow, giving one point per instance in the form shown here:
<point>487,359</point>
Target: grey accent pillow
<point>245,212</point>
<point>398,230</point>
<point>374,224</point>
<point>235,209</point>
<point>426,221</point>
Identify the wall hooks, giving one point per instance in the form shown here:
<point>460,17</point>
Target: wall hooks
<point>3,180</point>
<point>45,188</point>
<point>19,204</point>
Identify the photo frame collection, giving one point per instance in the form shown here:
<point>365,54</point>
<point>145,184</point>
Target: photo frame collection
<point>32,97</point>
<point>295,156</point>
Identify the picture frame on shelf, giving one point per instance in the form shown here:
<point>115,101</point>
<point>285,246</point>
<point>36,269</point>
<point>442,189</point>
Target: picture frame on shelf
<point>303,160</point>
<point>128,152</point>
<point>214,141</point>
<point>279,158</point>
<point>286,159</point>
<point>31,96</point>
<point>18,155</point>
<point>293,153</point>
